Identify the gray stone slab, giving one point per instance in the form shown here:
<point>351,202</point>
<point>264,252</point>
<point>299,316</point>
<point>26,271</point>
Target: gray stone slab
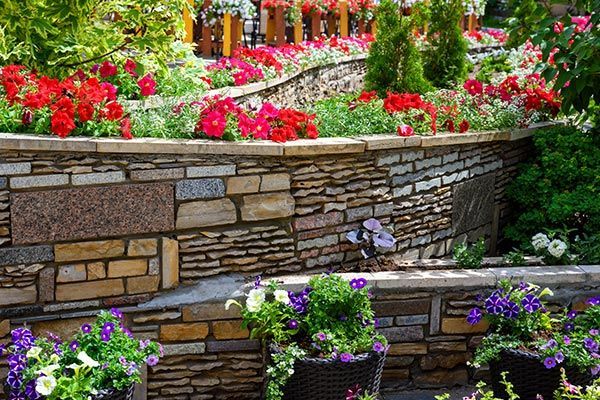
<point>199,189</point>
<point>3,183</point>
<point>184,349</point>
<point>473,203</point>
<point>232,345</point>
<point>26,255</point>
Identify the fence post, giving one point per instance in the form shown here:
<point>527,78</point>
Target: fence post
<point>279,26</point>
<point>315,25</point>
<point>270,34</point>
<point>189,24</point>
<point>227,37</point>
<point>298,34</point>
<point>344,18</point>
<point>206,34</point>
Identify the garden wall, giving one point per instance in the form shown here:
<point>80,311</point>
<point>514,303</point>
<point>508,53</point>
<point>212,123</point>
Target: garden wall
<point>87,224</point>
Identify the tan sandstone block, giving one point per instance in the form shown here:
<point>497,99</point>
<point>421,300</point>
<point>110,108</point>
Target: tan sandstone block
<point>71,273</point>
<point>89,290</point>
<point>400,349</point>
<point>142,247</point>
<point>243,184</point>
<point>275,182</point>
<point>229,330</point>
<point>4,327</point>
<point>117,269</point>
<point>88,250</point>
<point>267,206</point>
<point>460,326</point>
<point>170,263</point>
<point>181,332</point>
<point>13,296</point>
<point>143,284</point>
<point>96,270</point>
<point>197,214</point>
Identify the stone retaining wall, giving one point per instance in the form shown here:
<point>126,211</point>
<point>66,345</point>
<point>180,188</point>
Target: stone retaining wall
<point>87,224</point>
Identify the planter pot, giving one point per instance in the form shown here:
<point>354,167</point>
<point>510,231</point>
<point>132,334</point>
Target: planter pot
<point>326,379</point>
<point>112,394</point>
<point>529,375</point>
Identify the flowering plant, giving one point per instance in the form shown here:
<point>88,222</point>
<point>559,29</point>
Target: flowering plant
<point>371,236</point>
<point>330,318</point>
<point>515,314</point>
<point>244,9</point>
<point>290,7</point>
<point>362,9</point>
<point>552,249</point>
<point>102,356</point>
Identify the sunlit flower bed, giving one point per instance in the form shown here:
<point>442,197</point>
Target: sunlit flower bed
<point>486,37</point>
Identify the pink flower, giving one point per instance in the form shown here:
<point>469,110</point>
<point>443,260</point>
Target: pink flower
<point>558,27</point>
<point>213,124</point>
<point>110,91</point>
<point>147,85</point>
<point>108,69</point>
<point>268,110</point>
<point>130,67</point>
<point>473,87</point>
<point>405,130</point>
<point>261,128</point>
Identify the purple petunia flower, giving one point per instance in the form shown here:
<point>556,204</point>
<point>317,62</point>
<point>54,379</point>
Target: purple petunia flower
<point>559,357</point>
<point>378,347</point>
<point>494,305</point>
<point>373,225</point>
<point>590,344</point>
<point>74,345</point>
<point>572,314</point>
<point>594,301</point>
<point>475,316</point>
<point>376,323</point>
<point>594,332</point>
<point>22,339</point>
<point>293,324</point>
<point>116,313</point>
<point>257,281</point>
<point>152,360</point>
<point>567,340</point>
<point>569,327</point>
<point>86,328</point>
<point>384,239</point>
<point>511,310</point>
<point>358,283</point>
<point>30,391</point>
<point>105,336</point>
<point>346,357</point>
<point>550,362</point>
<point>343,317</point>
<point>595,370</point>
<point>523,286</point>
<point>13,379</point>
<point>321,336</point>
<point>531,303</point>
<point>108,327</point>
<point>300,301</point>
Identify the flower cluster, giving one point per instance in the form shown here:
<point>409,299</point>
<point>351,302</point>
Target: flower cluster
<point>362,9</point>
<point>244,9</point>
<point>552,249</point>
<point>223,118</point>
<point>486,37</point>
<point>102,356</point>
<point>476,7</point>
<point>81,103</point>
<point>290,7</point>
<point>370,237</point>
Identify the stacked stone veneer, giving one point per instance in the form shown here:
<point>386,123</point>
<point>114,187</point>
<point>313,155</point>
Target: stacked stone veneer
<point>91,224</point>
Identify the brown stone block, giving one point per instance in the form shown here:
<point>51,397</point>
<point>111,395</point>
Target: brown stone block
<point>4,327</point>
<point>91,212</point>
<point>64,328</point>
<point>258,207</point>
<point>446,361</point>
<point>96,270</point>
<point>71,273</point>
<point>400,349</point>
<point>401,307</point>
<point>88,250</point>
<point>209,312</point>
<point>460,325</point>
<point>206,213</point>
<point>223,330</point>
<point>143,284</point>
<point>142,247</point>
<point>170,263</point>
<point>117,269</point>
<point>14,296</point>
<point>442,378</point>
<point>183,332</point>
<point>243,184</point>
<point>89,290</point>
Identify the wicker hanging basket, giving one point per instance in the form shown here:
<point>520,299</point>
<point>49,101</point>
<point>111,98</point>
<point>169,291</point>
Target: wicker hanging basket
<point>529,375</point>
<point>112,394</point>
<point>327,379</point>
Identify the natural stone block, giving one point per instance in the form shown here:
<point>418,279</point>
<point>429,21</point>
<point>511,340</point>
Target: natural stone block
<point>446,361</point>
<point>71,273</point>
<point>223,330</point>
<point>400,349</point>
<point>275,182</point>
<point>14,296</point>
<point>267,206</point>
<point>46,285</point>
<point>157,317</point>
<point>143,284</point>
<point>64,328</point>
<point>8,169</point>
<point>89,250</point>
<point>460,325</point>
<point>473,203</point>
<point>31,181</point>
<point>212,170</point>
<point>421,319</point>
<point>209,312</point>
<point>89,290</point>
<point>26,255</point>
<point>243,184</point>
<point>206,213</point>
<point>185,349</point>
<point>401,307</point>
<point>4,327</point>
<point>170,263</point>
<point>91,212</point>
<point>232,345</point>
<point>208,188</point>
<point>183,332</point>
<point>98,178</point>
<point>442,378</point>
<point>117,269</point>
<point>157,174</point>
<point>316,221</point>
<point>402,333</point>
<point>96,270</point>
<point>445,347</point>
<point>3,182</point>
<point>142,247</point>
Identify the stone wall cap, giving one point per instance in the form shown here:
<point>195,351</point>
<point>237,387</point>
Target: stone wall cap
<point>546,275</point>
<point>309,147</point>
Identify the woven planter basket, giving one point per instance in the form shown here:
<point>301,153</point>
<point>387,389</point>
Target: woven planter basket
<point>529,375</point>
<point>109,394</point>
<point>327,379</point>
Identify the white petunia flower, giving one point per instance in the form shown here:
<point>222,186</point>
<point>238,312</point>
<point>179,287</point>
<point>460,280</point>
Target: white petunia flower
<point>45,385</point>
<point>255,299</point>
<point>34,352</point>
<point>282,296</point>
<point>48,370</point>
<point>540,242</point>
<point>557,248</point>
<point>87,360</point>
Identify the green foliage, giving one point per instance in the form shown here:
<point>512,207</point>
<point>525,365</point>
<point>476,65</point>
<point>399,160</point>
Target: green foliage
<point>281,369</point>
<point>525,21</point>
<point>394,63</point>
<point>492,65</point>
<point>163,122</point>
<point>56,37</point>
<point>577,60</point>
<point>469,257</point>
<point>445,57</point>
<point>587,249</point>
<point>568,391</point>
<point>483,394</point>
<point>560,188</point>
<point>514,258</point>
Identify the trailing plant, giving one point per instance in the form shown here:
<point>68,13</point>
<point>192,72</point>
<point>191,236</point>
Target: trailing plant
<point>281,369</point>
<point>514,258</point>
<point>483,394</point>
<point>445,57</point>
<point>560,188</point>
<point>371,237</point>
<point>525,21</point>
<point>568,391</point>
<point>394,63</point>
<point>469,257</point>
<point>57,37</point>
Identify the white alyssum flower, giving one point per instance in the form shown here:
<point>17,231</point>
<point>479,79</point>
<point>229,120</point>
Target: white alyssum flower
<point>255,299</point>
<point>34,352</point>
<point>557,248</point>
<point>45,385</point>
<point>87,360</point>
<point>282,296</point>
<point>540,242</point>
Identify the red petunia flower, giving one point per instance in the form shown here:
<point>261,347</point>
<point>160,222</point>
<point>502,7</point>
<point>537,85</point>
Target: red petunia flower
<point>113,111</point>
<point>213,124</point>
<point>107,69</point>
<point>85,111</point>
<point>61,123</point>
<point>463,126</point>
<point>473,87</point>
<point>130,67</point>
<point>367,96</point>
<point>126,128</point>
<point>147,85</point>
<point>311,131</point>
<point>406,130</point>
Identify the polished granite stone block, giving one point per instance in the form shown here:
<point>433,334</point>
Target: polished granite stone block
<point>91,212</point>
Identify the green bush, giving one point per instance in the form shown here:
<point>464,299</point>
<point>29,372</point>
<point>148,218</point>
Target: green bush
<point>560,188</point>
<point>394,63</point>
<point>524,22</point>
<point>469,257</point>
<point>57,37</point>
<point>445,57</point>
